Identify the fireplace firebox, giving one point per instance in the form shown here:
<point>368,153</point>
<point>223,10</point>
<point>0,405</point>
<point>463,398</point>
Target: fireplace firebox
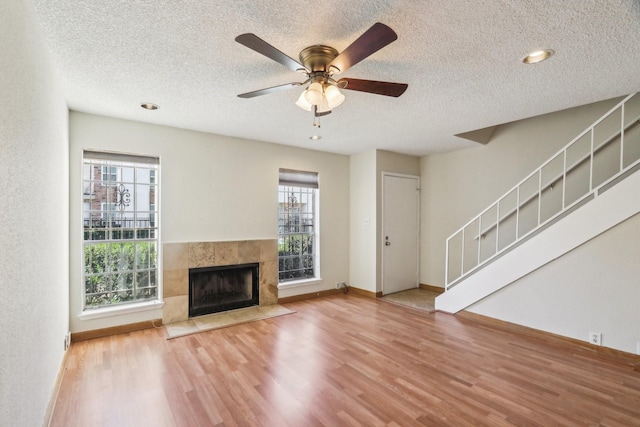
<point>222,288</point>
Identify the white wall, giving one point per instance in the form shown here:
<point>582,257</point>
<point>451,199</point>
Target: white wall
<point>33,219</point>
<point>366,204</point>
<point>362,179</point>
<point>458,185</point>
<point>213,188</point>
<point>595,287</point>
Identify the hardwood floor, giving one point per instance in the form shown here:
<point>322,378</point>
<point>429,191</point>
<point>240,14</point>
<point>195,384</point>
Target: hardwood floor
<point>347,360</point>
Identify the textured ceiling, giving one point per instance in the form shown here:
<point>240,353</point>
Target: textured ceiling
<point>461,60</point>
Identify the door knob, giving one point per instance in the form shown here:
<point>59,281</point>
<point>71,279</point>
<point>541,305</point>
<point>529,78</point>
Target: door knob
<point>387,243</point>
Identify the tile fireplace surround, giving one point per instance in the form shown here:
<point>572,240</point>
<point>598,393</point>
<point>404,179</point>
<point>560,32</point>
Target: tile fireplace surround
<point>178,258</point>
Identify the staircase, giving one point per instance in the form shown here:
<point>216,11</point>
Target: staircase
<point>589,186</point>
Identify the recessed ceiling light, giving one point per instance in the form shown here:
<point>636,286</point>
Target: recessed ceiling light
<point>149,106</point>
<point>315,137</point>
<point>538,56</point>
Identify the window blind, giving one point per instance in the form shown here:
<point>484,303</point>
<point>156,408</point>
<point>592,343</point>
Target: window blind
<point>119,157</point>
<point>296,178</point>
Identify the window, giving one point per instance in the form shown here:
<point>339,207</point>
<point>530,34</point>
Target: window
<point>109,174</point>
<point>120,224</point>
<point>297,225</point>
<point>108,211</point>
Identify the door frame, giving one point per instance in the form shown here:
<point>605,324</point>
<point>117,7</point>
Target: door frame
<point>382,225</point>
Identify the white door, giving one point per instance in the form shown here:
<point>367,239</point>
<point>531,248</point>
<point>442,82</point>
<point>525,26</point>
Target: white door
<point>400,232</point>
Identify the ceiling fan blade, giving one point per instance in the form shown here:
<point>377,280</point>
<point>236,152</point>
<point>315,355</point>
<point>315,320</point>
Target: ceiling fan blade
<point>256,43</point>
<point>372,86</point>
<point>269,90</point>
<point>374,39</point>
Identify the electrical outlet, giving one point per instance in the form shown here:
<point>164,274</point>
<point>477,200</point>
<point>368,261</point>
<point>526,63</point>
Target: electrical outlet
<point>595,338</point>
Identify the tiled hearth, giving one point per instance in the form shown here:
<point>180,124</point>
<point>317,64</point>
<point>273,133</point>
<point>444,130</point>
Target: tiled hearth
<point>178,258</point>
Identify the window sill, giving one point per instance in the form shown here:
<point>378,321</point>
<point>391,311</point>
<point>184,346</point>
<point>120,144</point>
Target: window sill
<point>299,283</point>
<point>137,307</point>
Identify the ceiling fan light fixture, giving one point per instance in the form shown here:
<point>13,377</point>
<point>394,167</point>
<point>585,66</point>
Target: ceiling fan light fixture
<point>324,98</point>
<point>323,106</point>
<point>333,96</point>
<point>302,102</point>
<point>538,56</point>
<point>313,94</point>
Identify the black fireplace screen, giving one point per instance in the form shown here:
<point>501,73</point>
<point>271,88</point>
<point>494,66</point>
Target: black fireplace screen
<point>216,289</point>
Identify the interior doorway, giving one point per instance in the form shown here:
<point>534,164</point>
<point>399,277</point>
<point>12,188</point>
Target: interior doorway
<point>400,232</point>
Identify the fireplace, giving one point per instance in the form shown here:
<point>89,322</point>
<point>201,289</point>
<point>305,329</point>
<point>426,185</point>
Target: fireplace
<point>222,288</point>
<point>180,257</point>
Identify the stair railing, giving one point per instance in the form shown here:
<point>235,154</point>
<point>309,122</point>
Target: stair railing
<point>594,159</point>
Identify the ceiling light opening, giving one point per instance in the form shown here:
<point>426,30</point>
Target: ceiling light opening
<point>538,56</point>
<point>149,106</point>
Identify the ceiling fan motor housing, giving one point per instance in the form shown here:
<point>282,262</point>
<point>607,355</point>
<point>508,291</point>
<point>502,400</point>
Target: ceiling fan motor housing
<point>317,57</point>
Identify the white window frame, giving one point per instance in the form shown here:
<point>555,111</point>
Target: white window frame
<point>109,213</point>
<point>140,285</point>
<point>300,184</point>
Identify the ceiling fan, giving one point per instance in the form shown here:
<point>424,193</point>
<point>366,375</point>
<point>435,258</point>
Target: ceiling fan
<point>320,63</point>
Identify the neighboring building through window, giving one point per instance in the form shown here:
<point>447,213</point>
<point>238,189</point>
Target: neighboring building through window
<point>109,174</point>
<point>120,222</point>
<point>298,225</point>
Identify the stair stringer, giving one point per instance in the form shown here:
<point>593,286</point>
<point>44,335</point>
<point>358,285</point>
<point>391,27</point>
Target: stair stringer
<point>606,210</point>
